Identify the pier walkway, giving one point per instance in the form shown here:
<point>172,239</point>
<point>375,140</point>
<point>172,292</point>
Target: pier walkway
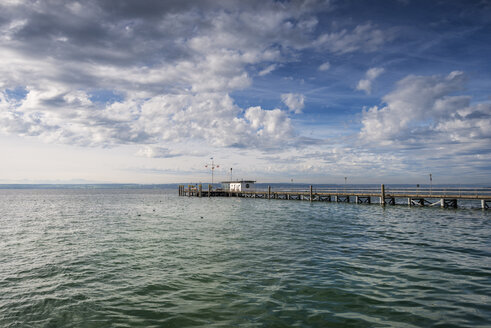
<point>446,197</point>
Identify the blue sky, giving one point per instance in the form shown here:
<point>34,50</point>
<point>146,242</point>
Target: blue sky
<point>314,91</point>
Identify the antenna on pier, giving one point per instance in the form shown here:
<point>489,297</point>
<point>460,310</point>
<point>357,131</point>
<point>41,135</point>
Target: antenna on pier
<point>230,174</point>
<point>431,183</point>
<point>212,166</point>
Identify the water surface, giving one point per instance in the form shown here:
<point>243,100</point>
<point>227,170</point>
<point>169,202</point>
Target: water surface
<point>148,258</point>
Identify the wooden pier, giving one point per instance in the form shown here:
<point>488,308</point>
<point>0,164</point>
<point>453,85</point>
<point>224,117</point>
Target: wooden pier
<point>419,197</point>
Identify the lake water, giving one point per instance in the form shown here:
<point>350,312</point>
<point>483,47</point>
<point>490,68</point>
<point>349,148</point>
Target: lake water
<point>148,258</point>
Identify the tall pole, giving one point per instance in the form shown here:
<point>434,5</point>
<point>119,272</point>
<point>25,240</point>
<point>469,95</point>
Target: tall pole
<point>431,184</point>
<point>212,166</point>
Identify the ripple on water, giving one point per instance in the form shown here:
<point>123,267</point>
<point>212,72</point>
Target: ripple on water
<point>127,258</point>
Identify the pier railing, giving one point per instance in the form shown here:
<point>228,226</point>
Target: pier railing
<point>411,191</point>
<point>437,192</point>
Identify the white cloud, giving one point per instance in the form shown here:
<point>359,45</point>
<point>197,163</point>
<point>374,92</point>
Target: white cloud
<point>174,66</point>
<point>364,37</point>
<point>154,152</point>
<point>212,118</point>
<point>366,83</point>
<point>267,70</point>
<point>294,102</point>
<point>269,124</point>
<point>174,77</point>
<point>374,72</point>
<point>13,2</point>
<point>325,66</point>
<point>423,111</point>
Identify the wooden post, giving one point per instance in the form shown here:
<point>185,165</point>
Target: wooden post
<point>200,190</point>
<point>382,195</point>
<point>209,190</point>
<point>269,192</point>
<point>311,193</point>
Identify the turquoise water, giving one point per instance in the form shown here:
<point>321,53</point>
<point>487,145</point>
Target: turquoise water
<point>148,258</point>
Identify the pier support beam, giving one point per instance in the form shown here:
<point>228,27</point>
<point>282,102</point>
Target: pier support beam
<point>311,193</point>
<point>484,203</point>
<point>200,192</point>
<point>343,199</point>
<point>269,192</point>
<point>362,199</point>
<point>417,201</point>
<point>449,203</point>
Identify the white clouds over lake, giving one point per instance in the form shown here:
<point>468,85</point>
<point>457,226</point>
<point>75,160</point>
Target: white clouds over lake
<point>181,81</point>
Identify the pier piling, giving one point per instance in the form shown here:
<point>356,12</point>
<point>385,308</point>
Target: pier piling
<point>382,195</point>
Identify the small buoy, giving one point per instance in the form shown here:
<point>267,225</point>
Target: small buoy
<point>201,217</point>
<point>139,215</point>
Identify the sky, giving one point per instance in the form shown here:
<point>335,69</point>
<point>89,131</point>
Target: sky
<point>101,91</point>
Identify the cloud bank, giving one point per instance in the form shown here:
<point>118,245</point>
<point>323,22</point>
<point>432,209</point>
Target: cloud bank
<point>427,111</point>
<point>173,66</point>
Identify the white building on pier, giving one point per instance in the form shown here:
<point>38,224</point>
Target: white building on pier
<point>242,185</point>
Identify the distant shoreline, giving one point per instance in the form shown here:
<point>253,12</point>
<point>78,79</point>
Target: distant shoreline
<point>259,185</point>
